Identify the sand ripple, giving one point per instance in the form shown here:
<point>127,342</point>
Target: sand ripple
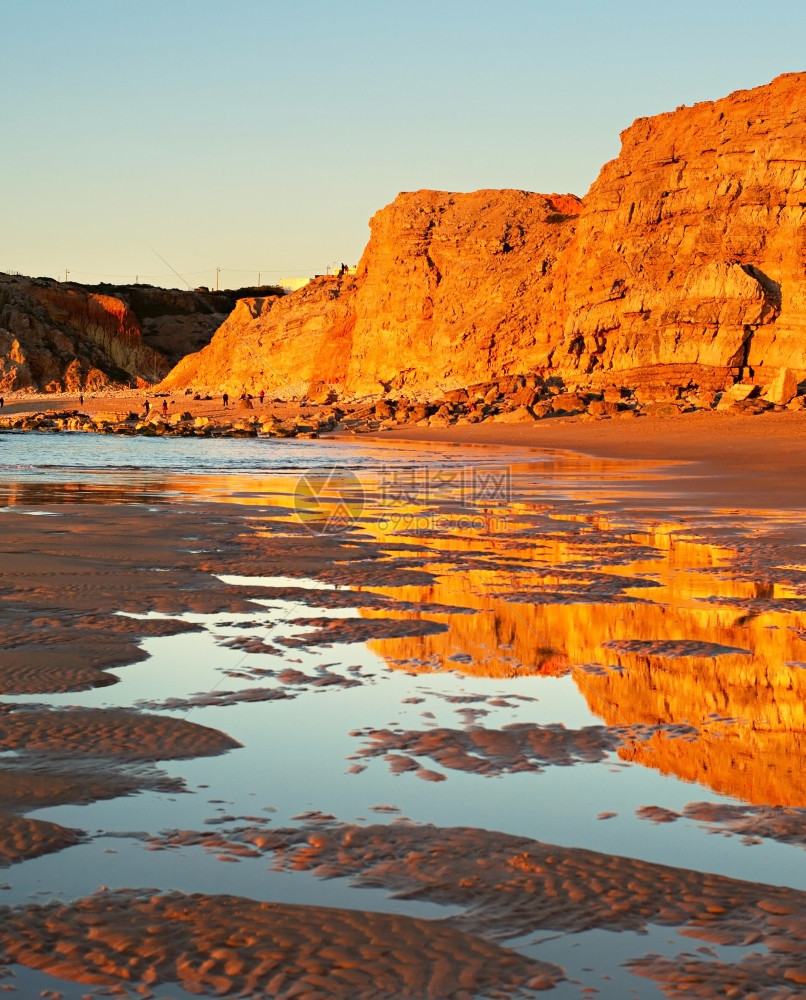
<point>227,946</point>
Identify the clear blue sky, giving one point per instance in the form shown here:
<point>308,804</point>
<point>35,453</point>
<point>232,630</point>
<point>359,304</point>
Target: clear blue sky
<point>263,135</point>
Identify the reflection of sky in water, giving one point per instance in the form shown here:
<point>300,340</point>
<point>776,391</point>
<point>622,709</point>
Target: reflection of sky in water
<point>295,756</point>
<point>296,752</point>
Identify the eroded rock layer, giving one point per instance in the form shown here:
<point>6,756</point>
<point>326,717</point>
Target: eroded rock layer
<point>66,337</point>
<point>685,258</point>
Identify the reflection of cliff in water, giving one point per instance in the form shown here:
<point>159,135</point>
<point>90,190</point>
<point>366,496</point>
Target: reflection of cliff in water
<point>660,627</point>
<point>127,486</point>
<point>30,493</point>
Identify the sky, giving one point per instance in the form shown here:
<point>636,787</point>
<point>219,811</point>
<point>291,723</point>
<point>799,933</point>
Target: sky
<point>160,140</point>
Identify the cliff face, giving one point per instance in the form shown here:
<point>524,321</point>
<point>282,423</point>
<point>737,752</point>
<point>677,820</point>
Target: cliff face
<point>55,338</point>
<point>446,291</point>
<point>62,337</point>
<point>450,285</point>
<point>689,250</point>
<point>692,244</point>
<point>282,345</point>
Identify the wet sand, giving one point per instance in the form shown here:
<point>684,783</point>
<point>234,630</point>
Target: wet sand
<point>511,886</point>
<point>78,584</point>
<point>227,946</point>
<point>731,460</point>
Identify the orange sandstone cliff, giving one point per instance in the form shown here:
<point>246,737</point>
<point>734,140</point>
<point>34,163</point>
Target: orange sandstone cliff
<point>446,292</point>
<point>692,245</point>
<point>57,336</point>
<point>689,250</point>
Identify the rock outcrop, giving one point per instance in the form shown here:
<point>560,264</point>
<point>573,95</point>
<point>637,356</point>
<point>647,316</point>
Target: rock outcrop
<point>283,345</point>
<point>446,292</point>
<point>57,336</point>
<point>683,267</point>
<point>692,244</point>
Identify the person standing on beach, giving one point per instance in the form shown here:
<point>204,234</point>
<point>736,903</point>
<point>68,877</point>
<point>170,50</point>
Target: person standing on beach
<point>225,400</point>
<point>262,394</point>
<point>165,407</point>
<point>147,406</point>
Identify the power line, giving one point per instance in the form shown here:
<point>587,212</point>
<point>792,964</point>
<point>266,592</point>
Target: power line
<point>212,271</point>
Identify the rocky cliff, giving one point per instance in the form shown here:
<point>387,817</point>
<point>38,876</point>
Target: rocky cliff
<point>447,292</point>
<point>687,254</point>
<point>57,336</point>
<point>692,244</point>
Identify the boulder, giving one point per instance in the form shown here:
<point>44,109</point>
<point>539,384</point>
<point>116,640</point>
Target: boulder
<point>112,416</point>
<point>384,410</point>
<point>527,396</point>
<point>734,394</point>
<point>661,408</point>
<point>520,415</point>
<point>782,389</point>
<point>602,408</point>
<point>656,394</point>
<point>567,404</point>
<point>702,400</point>
<point>320,393</point>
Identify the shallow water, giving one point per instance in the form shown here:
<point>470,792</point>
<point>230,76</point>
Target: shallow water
<point>549,654</point>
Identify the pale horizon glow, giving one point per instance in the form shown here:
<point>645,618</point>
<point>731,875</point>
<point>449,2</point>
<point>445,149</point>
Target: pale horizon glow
<point>260,137</point>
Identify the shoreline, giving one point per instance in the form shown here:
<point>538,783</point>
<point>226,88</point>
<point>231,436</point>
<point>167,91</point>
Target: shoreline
<point>729,459</point>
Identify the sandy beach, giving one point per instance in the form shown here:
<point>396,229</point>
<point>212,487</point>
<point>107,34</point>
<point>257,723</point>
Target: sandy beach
<point>730,459</point>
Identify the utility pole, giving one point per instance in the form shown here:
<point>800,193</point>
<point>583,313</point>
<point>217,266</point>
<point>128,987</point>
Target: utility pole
<point>258,279</point>
<point>217,271</point>
<point>66,272</point>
